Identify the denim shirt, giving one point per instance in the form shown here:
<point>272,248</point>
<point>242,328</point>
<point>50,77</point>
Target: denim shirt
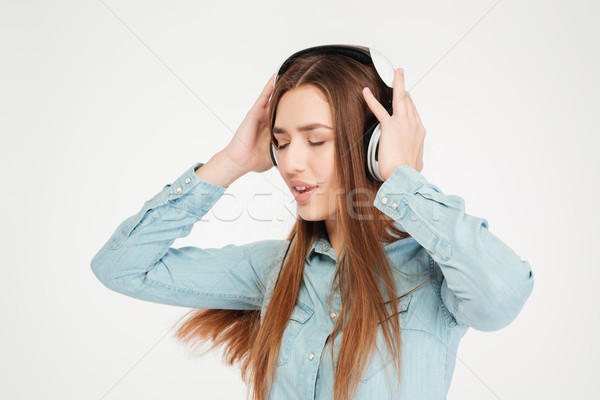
<point>477,281</point>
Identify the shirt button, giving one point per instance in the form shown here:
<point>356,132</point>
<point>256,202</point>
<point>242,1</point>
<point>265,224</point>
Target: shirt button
<point>332,315</point>
<point>178,189</point>
<point>187,180</point>
<point>394,206</point>
<point>311,356</point>
<point>384,200</point>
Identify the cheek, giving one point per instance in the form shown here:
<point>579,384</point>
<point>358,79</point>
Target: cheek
<point>326,166</point>
<point>327,169</point>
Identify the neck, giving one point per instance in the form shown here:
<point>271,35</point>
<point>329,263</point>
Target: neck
<point>335,235</point>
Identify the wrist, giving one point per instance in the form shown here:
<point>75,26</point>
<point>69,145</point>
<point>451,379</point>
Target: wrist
<point>391,172</point>
<point>220,170</point>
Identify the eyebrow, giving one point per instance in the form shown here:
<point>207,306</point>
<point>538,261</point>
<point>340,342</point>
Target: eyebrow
<point>304,128</point>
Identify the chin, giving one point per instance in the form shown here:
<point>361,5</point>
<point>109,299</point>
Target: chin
<point>309,216</point>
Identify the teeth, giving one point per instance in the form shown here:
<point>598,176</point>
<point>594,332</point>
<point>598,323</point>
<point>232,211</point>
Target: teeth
<point>303,188</point>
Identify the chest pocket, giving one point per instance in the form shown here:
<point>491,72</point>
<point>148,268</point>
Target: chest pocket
<point>382,358</point>
<point>300,315</point>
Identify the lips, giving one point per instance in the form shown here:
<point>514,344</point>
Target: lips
<point>305,195</point>
<point>308,189</point>
<point>297,182</point>
<point>302,195</point>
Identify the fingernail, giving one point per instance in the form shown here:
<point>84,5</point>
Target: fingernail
<point>401,71</point>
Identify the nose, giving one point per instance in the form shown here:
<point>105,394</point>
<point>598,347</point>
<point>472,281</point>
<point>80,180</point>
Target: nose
<point>293,159</point>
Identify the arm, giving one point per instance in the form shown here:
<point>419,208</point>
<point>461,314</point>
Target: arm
<point>138,261</point>
<point>485,283</point>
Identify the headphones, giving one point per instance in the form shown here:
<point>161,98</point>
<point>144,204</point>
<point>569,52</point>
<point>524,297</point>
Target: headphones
<point>366,56</point>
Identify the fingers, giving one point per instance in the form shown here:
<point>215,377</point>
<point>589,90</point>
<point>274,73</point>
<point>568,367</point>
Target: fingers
<point>399,93</point>
<point>375,106</point>
<point>263,98</point>
<point>412,109</point>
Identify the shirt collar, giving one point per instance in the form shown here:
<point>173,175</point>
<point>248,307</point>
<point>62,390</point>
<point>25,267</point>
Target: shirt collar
<point>321,246</point>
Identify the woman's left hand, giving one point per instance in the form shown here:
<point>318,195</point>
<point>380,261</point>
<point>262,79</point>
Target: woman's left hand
<point>402,133</point>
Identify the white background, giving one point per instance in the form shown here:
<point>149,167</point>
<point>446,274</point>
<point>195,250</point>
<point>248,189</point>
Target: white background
<point>103,103</point>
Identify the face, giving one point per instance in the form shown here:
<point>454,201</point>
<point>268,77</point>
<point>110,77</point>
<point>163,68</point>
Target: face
<point>304,133</point>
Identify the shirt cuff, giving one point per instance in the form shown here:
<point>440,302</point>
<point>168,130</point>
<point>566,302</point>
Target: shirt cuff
<point>393,195</point>
<point>192,194</point>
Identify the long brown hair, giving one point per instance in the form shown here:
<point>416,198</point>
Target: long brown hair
<point>363,268</point>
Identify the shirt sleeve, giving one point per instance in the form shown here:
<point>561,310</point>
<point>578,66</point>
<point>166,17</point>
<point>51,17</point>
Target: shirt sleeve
<point>485,283</point>
<point>138,259</point>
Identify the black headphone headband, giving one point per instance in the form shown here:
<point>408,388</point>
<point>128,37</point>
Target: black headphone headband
<point>358,53</point>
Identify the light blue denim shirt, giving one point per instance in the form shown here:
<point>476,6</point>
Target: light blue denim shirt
<point>483,284</point>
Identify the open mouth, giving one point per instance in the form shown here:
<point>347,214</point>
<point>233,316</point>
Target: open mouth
<point>302,195</point>
<point>306,189</point>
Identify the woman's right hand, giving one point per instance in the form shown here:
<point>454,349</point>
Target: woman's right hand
<point>249,147</point>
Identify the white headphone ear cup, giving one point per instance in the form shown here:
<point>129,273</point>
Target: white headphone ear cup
<point>274,155</point>
<point>372,164</point>
<point>384,67</point>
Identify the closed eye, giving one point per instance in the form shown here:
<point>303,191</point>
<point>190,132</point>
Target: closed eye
<point>283,146</point>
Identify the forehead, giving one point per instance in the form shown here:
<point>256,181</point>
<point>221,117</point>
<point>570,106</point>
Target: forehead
<point>300,106</point>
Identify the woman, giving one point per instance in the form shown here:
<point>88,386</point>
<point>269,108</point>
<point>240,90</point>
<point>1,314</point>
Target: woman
<point>377,282</point>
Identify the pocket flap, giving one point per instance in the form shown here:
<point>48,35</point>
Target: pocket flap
<point>404,302</point>
<point>301,313</point>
